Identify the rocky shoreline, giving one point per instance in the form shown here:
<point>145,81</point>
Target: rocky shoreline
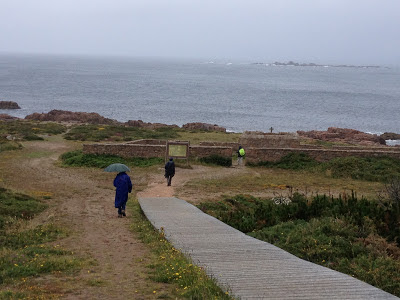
<point>333,134</point>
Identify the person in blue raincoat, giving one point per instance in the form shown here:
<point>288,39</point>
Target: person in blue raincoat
<point>124,186</point>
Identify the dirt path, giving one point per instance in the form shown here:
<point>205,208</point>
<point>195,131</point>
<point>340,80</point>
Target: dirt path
<point>157,186</point>
<point>82,200</point>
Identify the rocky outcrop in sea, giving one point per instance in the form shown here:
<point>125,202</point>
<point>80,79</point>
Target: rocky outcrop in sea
<point>9,105</point>
<point>390,136</point>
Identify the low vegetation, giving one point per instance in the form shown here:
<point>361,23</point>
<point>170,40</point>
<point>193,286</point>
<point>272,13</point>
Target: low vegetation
<point>354,236</point>
<point>169,265</point>
<point>30,130</point>
<point>217,160</point>
<point>121,133</point>
<point>6,145</point>
<point>79,159</point>
<point>118,133</point>
<point>27,252</point>
<point>368,168</point>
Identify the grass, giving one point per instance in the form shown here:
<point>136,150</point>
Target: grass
<point>118,133</point>
<point>373,169</point>
<point>79,159</point>
<point>30,130</point>
<point>28,252</point>
<point>195,136</point>
<point>270,181</point>
<point>6,145</point>
<point>346,234</point>
<point>14,206</point>
<point>171,266</point>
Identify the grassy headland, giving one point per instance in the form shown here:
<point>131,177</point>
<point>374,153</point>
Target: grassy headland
<point>328,213</point>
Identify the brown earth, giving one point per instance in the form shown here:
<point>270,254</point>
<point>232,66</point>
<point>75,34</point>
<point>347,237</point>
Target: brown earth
<point>82,201</point>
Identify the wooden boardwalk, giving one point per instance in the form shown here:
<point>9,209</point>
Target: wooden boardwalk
<point>249,268</point>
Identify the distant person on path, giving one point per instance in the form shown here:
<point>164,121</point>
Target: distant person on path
<point>169,170</point>
<point>124,186</point>
<point>241,155</point>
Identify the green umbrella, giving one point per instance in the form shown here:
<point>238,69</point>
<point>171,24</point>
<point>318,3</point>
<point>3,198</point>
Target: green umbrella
<point>117,168</point>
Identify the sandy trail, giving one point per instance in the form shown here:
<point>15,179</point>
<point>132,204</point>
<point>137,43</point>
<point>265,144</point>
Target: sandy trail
<point>82,200</point>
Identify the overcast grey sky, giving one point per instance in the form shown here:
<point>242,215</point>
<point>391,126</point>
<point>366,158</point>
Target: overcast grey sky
<point>324,31</point>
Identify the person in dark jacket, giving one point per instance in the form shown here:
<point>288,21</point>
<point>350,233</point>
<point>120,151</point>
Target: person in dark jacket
<point>169,170</point>
<point>124,186</point>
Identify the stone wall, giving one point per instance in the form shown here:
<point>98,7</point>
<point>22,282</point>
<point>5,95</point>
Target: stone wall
<point>147,151</point>
<point>148,142</point>
<point>233,146</point>
<point>255,155</point>
<point>126,150</point>
<point>254,139</point>
<point>204,151</point>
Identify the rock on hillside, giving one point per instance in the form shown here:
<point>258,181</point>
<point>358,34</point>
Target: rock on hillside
<point>344,135</point>
<point>5,117</point>
<point>203,126</point>
<point>9,105</point>
<point>141,124</point>
<point>69,116</point>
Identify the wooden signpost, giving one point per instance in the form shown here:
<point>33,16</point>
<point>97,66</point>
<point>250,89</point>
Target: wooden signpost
<point>177,149</point>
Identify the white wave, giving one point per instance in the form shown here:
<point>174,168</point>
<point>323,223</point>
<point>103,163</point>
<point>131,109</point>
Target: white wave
<point>392,142</point>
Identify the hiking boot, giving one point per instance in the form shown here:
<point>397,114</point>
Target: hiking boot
<point>123,213</point>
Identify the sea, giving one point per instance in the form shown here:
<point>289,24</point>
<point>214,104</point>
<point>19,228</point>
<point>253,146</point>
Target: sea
<point>240,96</point>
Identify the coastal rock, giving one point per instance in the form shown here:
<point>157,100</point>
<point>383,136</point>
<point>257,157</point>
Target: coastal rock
<point>203,126</point>
<point>390,136</point>
<point>141,124</point>
<point>5,117</point>
<point>344,135</point>
<point>69,116</point>
<point>9,105</point>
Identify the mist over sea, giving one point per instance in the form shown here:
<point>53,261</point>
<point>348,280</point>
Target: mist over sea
<point>238,96</point>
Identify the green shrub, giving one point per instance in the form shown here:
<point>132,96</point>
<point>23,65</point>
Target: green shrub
<point>247,213</point>
<point>380,169</point>
<point>79,159</point>
<point>345,233</point>
<point>217,160</point>
<point>6,145</point>
<point>32,137</point>
<point>369,168</point>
